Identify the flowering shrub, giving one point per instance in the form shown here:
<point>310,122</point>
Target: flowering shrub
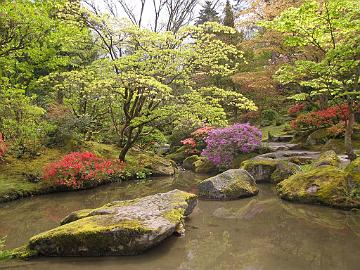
<point>224,143</point>
<point>196,141</point>
<point>296,109</point>
<point>319,119</point>
<point>76,168</point>
<point>3,146</point>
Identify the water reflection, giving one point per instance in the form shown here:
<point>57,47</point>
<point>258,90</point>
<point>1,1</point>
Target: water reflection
<point>256,233</point>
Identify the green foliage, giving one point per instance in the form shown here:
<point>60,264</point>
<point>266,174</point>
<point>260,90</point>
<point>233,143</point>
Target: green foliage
<point>208,13</point>
<point>229,19</point>
<point>4,254</point>
<point>271,117</point>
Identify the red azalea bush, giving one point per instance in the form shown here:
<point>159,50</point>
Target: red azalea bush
<point>320,119</point>
<point>75,169</point>
<point>3,146</point>
<point>196,142</point>
<point>296,109</point>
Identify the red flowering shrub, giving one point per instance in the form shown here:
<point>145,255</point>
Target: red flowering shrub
<point>319,119</point>
<point>196,141</point>
<point>75,169</point>
<point>3,146</point>
<point>296,109</point>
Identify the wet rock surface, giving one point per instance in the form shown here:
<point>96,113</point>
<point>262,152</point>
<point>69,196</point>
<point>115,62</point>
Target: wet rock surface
<point>229,185</point>
<point>118,228</point>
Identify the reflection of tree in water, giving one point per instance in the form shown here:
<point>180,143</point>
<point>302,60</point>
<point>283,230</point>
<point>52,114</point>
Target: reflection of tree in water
<point>205,252</point>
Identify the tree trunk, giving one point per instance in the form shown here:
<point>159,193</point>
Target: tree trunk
<point>124,151</point>
<point>349,125</point>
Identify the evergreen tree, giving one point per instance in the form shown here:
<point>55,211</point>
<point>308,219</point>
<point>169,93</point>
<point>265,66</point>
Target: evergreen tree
<point>208,13</point>
<point>229,15</point>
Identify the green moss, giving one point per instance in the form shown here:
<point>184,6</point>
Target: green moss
<point>233,189</point>
<point>95,233</point>
<point>327,158</point>
<point>23,252</point>
<point>251,163</point>
<point>175,215</point>
<point>325,185</point>
<point>203,165</point>
<point>352,172</point>
<point>189,162</point>
<point>273,130</point>
<point>179,155</point>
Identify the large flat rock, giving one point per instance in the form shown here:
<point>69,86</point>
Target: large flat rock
<point>118,228</point>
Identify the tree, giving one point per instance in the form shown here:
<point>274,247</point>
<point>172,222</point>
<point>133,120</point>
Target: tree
<point>208,13</point>
<point>167,15</point>
<point>229,19</point>
<point>330,29</point>
<point>153,77</point>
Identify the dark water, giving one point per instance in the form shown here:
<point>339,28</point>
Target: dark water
<point>259,233</point>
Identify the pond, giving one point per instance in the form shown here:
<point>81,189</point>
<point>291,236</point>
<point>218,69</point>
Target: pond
<point>258,233</point>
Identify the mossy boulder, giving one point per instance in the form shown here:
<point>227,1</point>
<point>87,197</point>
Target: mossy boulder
<point>157,165</point>
<point>352,172</point>
<point>199,164</point>
<point>327,158</point>
<point>336,145</point>
<point>203,165</point>
<point>118,228</point>
<point>179,154</point>
<point>270,170</point>
<point>229,185</point>
<point>189,162</point>
<point>326,185</point>
<point>319,136</point>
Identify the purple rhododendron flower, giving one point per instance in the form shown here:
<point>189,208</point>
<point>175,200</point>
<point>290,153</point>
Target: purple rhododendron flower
<point>224,143</point>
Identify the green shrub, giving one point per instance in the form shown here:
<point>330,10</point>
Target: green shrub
<point>270,117</point>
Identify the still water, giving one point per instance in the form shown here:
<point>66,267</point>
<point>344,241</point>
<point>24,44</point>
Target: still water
<point>258,233</point>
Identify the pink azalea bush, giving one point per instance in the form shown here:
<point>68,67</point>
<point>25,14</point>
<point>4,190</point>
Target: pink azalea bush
<point>224,144</point>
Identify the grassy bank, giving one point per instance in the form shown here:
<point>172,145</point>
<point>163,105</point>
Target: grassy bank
<point>21,178</point>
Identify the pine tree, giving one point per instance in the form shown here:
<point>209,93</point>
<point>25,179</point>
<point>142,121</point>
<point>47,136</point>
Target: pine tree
<point>229,15</point>
<point>208,13</point>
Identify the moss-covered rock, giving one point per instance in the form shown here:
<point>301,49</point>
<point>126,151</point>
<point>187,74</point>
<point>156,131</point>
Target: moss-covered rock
<point>270,170</point>
<point>203,165</point>
<point>336,145</point>
<point>189,162</point>
<point>199,164</point>
<point>118,228</point>
<point>327,158</point>
<point>319,136</point>
<point>352,172</point>
<point>325,185</point>
<point>158,166</point>
<point>179,155</point>
<point>229,185</point>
